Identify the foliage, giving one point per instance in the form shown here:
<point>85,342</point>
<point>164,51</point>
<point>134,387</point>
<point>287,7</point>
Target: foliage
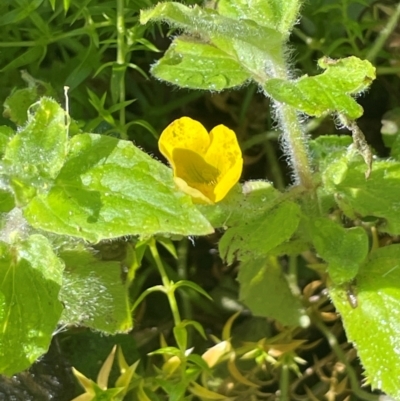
<point>92,225</point>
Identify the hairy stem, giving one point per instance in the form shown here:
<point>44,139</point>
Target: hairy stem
<point>293,134</point>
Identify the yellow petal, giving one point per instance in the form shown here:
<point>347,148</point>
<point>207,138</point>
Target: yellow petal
<point>197,196</point>
<point>183,133</point>
<point>224,150</point>
<point>206,166</point>
<point>225,154</point>
<point>228,181</point>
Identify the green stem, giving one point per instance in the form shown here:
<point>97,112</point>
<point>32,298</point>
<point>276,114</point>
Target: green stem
<point>168,285</point>
<point>332,340</point>
<point>387,70</point>
<point>182,274</point>
<point>187,310</point>
<point>346,25</point>
<point>384,34</point>
<point>284,383</point>
<point>293,135</point>
<point>295,145</point>
<point>121,56</point>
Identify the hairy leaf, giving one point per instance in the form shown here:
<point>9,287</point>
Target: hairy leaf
<point>252,199</point>
<point>343,249</point>
<point>109,188</point>
<point>31,276</point>
<point>255,238</point>
<point>328,92</point>
<point>199,66</point>
<point>378,196</point>
<point>265,290</point>
<point>276,14</point>
<point>372,323</point>
<point>93,293</point>
<point>35,155</point>
<point>208,22</point>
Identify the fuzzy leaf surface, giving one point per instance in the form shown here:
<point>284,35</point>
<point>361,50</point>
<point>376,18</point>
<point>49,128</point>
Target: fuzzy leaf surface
<point>108,188</point>
<point>343,249</point>
<point>199,66</point>
<point>374,324</point>
<point>252,199</point>
<point>35,155</point>
<point>328,92</point>
<point>30,277</point>
<point>275,14</point>
<point>208,23</point>
<point>378,196</point>
<point>266,292</point>
<point>254,239</point>
<point>93,293</point>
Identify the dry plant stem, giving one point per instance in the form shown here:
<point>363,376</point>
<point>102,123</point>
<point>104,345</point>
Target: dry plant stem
<point>167,284</point>
<point>332,340</point>
<point>384,34</point>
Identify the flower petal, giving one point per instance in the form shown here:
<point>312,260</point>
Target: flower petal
<point>191,167</point>
<point>206,166</point>
<point>195,172</point>
<point>224,151</point>
<point>183,133</point>
<point>228,181</point>
<point>225,154</point>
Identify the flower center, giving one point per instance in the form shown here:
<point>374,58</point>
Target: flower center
<point>192,168</point>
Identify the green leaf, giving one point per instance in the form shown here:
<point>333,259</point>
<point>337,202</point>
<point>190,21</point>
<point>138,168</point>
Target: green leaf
<point>93,293</point>
<point>266,292</point>
<point>36,154</point>
<point>30,280</point>
<point>5,134</point>
<point>343,249</point>
<point>377,196</point>
<point>193,286</point>
<point>327,148</point>
<point>208,22</point>
<point>276,14</point>
<point>109,188</point>
<point>374,325</point>
<point>16,105</point>
<point>328,92</point>
<point>252,199</point>
<point>29,57</point>
<point>254,239</point>
<point>199,66</point>
<point>243,43</point>
<point>7,201</point>
<point>20,13</point>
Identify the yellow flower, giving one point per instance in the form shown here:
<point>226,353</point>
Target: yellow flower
<point>206,166</point>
